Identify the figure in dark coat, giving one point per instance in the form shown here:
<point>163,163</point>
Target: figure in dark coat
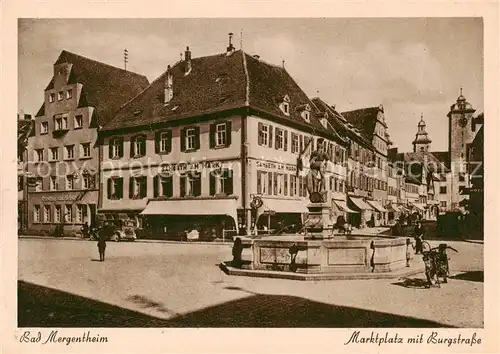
<point>419,235</point>
<point>101,242</point>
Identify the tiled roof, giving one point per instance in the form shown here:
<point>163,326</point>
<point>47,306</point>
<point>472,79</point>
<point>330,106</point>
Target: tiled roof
<point>433,163</point>
<point>339,122</point>
<point>442,156</point>
<point>105,87</point>
<point>218,83</point>
<point>215,83</point>
<point>41,111</point>
<point>364,119</point>
<point>24,130</point>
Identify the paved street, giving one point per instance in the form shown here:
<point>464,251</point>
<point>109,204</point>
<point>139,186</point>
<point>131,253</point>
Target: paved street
<point>164,284</point>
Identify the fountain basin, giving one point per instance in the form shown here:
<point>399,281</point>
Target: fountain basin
<point>341,257</point>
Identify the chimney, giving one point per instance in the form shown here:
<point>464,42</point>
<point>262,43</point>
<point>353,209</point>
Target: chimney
<point>230,48</point>
<point>169,86</point>
<point>187,61</point>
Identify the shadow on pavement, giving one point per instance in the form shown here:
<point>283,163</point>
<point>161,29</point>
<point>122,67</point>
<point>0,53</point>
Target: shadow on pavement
<point>412,283</point>
<point>476,275</point>
<point>40,306</point>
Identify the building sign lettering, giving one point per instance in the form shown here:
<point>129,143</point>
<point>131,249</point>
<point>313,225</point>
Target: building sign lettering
<point>191,166</point>
<point>60,198</point>
<point>276,166</point>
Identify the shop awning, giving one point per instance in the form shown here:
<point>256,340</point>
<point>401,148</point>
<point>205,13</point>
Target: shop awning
<point>192,207</point>
<point>419,206</point>
<point>283,206</point>
<point>403,208</point>
<point>342,205</point>
<point>392,208</point>
<point>360,203</point>
<point>376,205</point>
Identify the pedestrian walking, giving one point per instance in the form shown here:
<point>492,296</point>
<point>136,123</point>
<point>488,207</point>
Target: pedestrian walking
<point>409,247</point>
<point>419,236</point>
<point>101,241</point>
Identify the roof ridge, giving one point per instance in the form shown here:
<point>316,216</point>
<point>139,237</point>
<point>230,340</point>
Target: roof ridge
<point>99,62</point>
<point>247,77</point>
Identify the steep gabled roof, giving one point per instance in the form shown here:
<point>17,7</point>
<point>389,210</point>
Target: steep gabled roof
<point>41,111</point>
<point>215,83</point>
<point>218,83</point>
<point>269,84</point>
<point>339,122</point>
<point>364,119</point>
<point>433,163</point>
<point>105,87</point>
<point>442,156</point>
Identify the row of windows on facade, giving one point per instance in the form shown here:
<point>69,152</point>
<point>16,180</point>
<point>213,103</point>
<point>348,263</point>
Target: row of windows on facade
<point>366,183</point>
<point>61,95</point>
<point>61,123</point>
<point>69,183</point>
<point>270,136</point>
<point>69,153</point>
<point>163,186</point>
<point>282,184</point>
<point>392,191</point>
<point>220,137</point>
<point>58,213</point>
<point>364,156</point>
<point>411,188</point>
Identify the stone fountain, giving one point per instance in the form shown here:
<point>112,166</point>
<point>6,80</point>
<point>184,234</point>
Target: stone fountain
<point>320,255</point>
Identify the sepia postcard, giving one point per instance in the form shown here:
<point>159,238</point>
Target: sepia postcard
<point>272,177</point>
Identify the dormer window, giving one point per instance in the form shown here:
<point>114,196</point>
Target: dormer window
<point>324,123</point>
<point>285,105</point>
<point>52,97</point>
<point>324,120</point>
<point>305,112</point>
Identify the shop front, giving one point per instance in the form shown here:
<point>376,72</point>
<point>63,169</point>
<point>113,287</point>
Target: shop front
<point>393,212</point>
<point>341,210</point>
<point>365,212</point>
<point>278,216</point>
<point>380,213</point>
<point>61,213</point>
<point>419,208</point>
<point>180,219</point>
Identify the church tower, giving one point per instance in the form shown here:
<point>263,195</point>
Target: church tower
<point>422,142</point>
<point>461,132</point>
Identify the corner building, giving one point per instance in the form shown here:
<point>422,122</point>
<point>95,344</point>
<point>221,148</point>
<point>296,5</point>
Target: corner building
<point>63,156</point>
<point>209,138</point>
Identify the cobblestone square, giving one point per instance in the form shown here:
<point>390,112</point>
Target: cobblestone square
<point>148,284</point>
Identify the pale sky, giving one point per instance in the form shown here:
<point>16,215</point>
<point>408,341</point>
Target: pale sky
<point>411,66</point>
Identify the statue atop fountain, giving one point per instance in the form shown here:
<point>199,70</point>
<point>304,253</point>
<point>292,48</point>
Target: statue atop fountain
<point>318,223</point>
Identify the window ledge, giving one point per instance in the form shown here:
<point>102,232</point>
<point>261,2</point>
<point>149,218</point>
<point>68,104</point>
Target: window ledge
<point>190,150</point>
<point>116,157</point>
<point>85,158</point>
<point>138,156</point>
<point>76,128</point>
<point>217,147</point>
<point>163,152</point>
<point>44,133</point>
<point>71,159</point>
